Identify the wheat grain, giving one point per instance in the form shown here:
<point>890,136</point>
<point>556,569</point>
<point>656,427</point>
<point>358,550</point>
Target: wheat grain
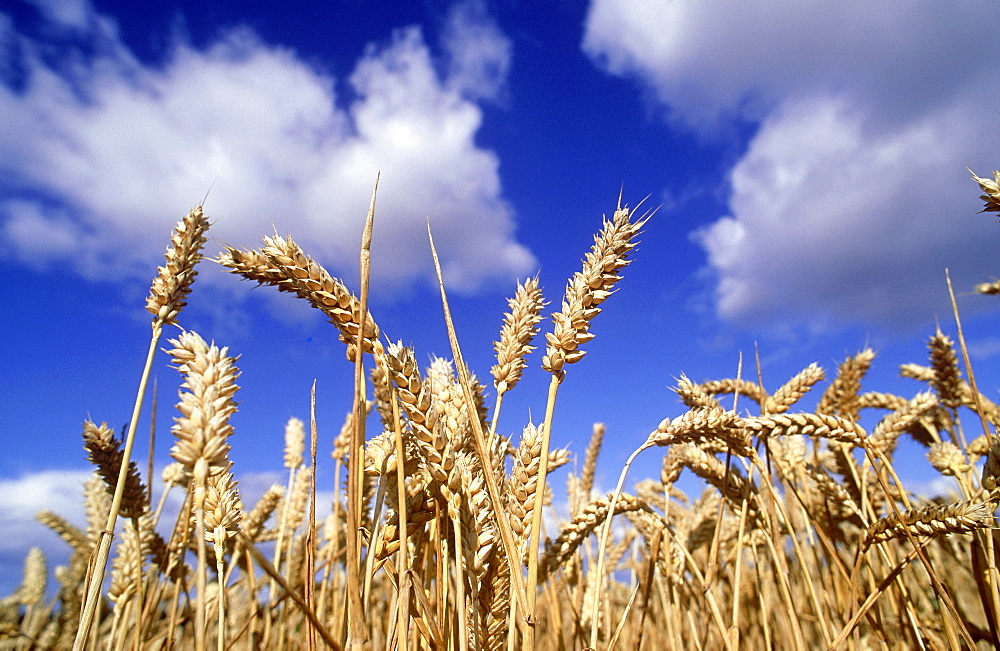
<point>255,520</point>
<point>877,400</point>
<point>582,494</point>
<point>788,454</point>
<point>202,431</point>
<point>727,480</point>
<point>917,372</point>
<point>223,510</point>
<point>295,443</point>
<point>701,424</point>
<point>31,591</point>
<point>558,552</point>
<point>837,501</point>
<point>947,378</point>
<point>73,536</point>
<point>415,400</point>
<point>948,459</point>
<point>130,560</point>
<point>990,288</point>
<point>991,469</point>
<point>694,395</point>
<point>886,433</point>
<point>524,483</point>
<point>821,425</point>
<point>735,386</point>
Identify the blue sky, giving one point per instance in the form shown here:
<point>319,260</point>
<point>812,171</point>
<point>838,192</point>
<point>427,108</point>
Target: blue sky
<point>808,160</point>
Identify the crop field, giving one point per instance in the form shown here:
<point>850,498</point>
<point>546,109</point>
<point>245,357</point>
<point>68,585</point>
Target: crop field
<point>802,536</point>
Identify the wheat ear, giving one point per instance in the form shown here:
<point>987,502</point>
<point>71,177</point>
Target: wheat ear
<point>104,451</point>
<point>962,517</point>
<point>590,465</point>
<point>841,397</point>
<point>223,511</point>
<point>520,325</point>
<point>282,263</point>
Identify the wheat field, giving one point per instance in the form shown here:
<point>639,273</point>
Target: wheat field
<point>802,535</point>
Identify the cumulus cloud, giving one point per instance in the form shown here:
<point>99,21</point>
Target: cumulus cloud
<point>852,196</point>
<point>21,499</point>
<point>62,493</point>
<point>101,154</point>
<point>479,54</point>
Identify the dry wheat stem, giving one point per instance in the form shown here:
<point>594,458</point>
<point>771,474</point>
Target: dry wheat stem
<point>605,535</point>
<point>872,598</point>
<point>993,574</point>
<point>364,327</point>
<point>93,590</point>
<point>265,565</point>
<point>534,535</point>
<point>481,447</point>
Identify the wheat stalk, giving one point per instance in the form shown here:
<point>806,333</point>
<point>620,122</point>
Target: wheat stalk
<point>167,298</point>
<point>223,511</point>
<point>202,433</point>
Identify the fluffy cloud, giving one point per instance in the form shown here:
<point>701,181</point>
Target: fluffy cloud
<point>102,154</point>
<point>852,196</point>
<point>21,499</point>
<point>62,493</point>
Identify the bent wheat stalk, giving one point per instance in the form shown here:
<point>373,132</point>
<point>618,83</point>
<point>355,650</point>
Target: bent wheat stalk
<point>481,447</point>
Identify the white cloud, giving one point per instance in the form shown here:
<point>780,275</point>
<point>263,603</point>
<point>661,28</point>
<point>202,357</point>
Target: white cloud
<point>984,348</point>
<point>21,499</point>
<point>62,493</point>
<point>479,55</point>
<point>852,196</point>
<point>119,151</point>
<point>76,14</point>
